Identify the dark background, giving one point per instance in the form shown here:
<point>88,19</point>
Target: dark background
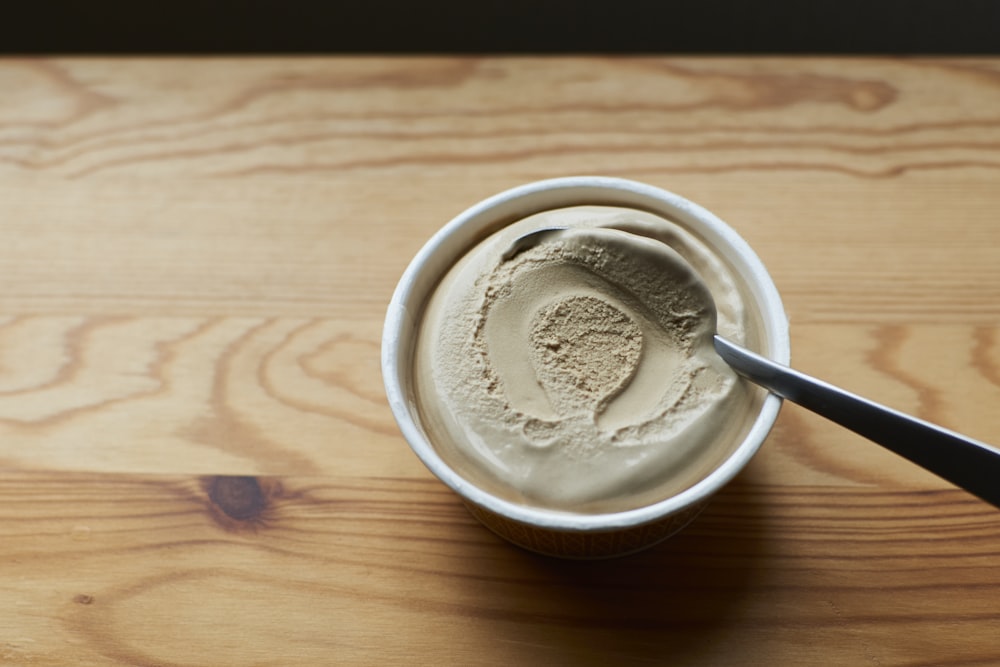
<point>511,26</point>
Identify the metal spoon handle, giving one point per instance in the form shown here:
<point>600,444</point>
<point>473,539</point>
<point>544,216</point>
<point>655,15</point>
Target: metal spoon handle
<point>967,463</point>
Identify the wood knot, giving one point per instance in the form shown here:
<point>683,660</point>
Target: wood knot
<point>83,598</point>
<point>239,498</point>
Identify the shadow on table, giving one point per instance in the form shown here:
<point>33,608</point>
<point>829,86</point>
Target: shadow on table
<point>671,602</point>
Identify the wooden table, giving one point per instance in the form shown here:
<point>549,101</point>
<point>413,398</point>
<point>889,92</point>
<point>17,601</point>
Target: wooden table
<point>198,463</point>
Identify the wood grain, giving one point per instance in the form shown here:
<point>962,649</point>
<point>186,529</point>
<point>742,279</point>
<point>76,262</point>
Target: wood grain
<point>341,571</point>
<point>197,463</point>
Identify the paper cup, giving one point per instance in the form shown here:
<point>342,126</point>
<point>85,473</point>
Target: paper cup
<point>560,533</point>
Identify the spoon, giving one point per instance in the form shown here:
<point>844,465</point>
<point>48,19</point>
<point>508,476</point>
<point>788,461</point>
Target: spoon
<point>965,462</point>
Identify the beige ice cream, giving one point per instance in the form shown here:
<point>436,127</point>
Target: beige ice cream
<point>579,374</point>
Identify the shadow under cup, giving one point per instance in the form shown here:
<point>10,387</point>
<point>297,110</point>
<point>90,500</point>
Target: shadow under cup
<point>553,532</point>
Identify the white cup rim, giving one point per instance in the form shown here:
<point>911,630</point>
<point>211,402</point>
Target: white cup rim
<point>517,203</point>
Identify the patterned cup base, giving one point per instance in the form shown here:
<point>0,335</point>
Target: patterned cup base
<point>585,545</point>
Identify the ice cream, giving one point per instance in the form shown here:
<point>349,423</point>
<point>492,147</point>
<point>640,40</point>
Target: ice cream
<point>579,374</point>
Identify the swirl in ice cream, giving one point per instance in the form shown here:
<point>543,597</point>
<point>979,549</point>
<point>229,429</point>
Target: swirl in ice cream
<point>579,374</point>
